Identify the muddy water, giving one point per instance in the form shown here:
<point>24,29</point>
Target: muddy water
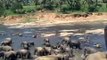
<point>74,31</point>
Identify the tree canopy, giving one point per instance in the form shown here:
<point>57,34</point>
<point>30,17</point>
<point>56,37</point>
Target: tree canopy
<point>17,6</point>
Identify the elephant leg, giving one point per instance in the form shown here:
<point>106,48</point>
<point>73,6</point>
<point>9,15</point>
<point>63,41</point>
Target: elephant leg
<point>13,57</point>
<point>7,58</point>
<point>41,53</point>
<point>24,56</point>
<point>18,55</point>
<point>79,46</point>
<point>29,55</point>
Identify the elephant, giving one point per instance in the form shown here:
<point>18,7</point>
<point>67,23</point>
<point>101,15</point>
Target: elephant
<point>31,43</point>
<point>69,51</point>
<point>6,48</point>
<point>47,44</point>
<point>41,51</point>
<point>46,40</point>
<point>61,56</point>
<point>27,45</point>
<point>75,44</point>
<point>66,41</point>
<point>66,49</point>
<point>47,58</point>
<point>97,56</point>
<point>88,50</point>
<point>7,42</point>
<point>24,54</point>
<point>49,49</point>
<point>55,51</point>
<point>10,55</point>
<point>71,43</point>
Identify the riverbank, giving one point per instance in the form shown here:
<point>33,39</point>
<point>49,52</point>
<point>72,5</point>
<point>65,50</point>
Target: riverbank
<point>45,19</point>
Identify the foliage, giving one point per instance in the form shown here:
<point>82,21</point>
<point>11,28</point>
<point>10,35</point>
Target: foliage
<point>2,9</point>
<point>64,6</point>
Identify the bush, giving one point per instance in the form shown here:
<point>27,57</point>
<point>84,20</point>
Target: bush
<point>38,7</point>
<point>65,8</point>
<point>16,6</point>
<point>2,9</point>
<point>29,9</point>
<point>92,9</point>
<point>19,11</point>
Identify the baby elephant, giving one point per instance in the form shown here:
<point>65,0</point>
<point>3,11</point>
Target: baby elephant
<point>41,51</point>
<point>24,54</point>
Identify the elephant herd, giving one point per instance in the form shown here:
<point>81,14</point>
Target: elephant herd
<point>64,50</point>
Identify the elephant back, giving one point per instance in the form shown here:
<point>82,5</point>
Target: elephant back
<point>75,41</point>
<point>39,48</point>
<point>61,56</point>
<point>7,48</point>
<point>97,56</point>
<point>48,49</point>
<point>47,58</point>
<point>9,53</point>
<point>90,50</point>
<point>24,51</point>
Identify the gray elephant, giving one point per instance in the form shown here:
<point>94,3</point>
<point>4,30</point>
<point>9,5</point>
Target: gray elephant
<point>46,40</point>
<point>47,58</point>
<point>24,54</point>
<point>49,49</point>
<point>66,49</point>
<point>75,44</point>
<point>69,51</point>
<point>47,44</point>
<point>88,50</point>
<point>41,51</point>
<point>97,56</point>
<point>7,42</point>
<point>10,55</point>
<point>6,48</point>
<point>31,43</point>
<point>61,56</point>
<point>27,45</point>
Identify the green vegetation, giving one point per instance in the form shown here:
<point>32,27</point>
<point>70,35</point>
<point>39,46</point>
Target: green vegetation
<point>10,7</point>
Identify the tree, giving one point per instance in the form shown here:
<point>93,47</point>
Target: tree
<point>2,9</point>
